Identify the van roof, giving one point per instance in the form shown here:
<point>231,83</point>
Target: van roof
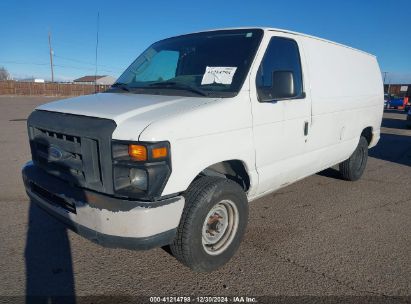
<point>288,32</point>
<point>317,38</point>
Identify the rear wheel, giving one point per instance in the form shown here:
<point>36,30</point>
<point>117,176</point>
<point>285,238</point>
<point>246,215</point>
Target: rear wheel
<point>212,225</point>
<point>353,168</point>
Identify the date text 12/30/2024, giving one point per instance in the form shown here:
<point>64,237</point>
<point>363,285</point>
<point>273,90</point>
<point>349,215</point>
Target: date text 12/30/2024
<point>235,299</point>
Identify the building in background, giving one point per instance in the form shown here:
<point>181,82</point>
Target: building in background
<point>397,84</point>
<point>399,89</point>
<point>99,80</point>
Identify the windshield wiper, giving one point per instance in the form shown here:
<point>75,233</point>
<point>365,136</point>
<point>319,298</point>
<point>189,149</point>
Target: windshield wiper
<point>121,86</point>
<point>177,86</point>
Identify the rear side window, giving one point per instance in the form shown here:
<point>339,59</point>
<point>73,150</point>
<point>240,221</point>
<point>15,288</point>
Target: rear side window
<point>282,55</point>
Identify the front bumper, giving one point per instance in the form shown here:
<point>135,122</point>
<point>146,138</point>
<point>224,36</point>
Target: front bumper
<point>108,221</point>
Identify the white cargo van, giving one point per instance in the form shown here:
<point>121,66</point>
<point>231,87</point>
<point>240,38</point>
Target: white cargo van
<point>198,126</point>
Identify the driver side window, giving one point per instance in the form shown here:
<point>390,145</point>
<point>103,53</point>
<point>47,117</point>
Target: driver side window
<point>280,67</point>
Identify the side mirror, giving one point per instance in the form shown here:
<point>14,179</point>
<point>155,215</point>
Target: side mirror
<point>283,85</point>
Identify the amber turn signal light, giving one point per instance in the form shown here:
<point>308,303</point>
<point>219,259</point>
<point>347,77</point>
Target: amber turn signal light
<point>137,152</point>
<point>159,152</point>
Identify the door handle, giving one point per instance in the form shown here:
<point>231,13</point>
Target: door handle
<point>305,128</point>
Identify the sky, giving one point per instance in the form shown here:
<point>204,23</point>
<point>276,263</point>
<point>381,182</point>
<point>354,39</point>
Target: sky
<point>380,27</point>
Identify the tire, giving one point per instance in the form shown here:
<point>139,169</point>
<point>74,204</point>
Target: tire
<point>353,168</point>
<point>224,203</point>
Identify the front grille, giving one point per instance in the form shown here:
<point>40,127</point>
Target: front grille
<point>74,148</point>
<point>52,198</point>
<point>72,165</point>
<point>72,138</point>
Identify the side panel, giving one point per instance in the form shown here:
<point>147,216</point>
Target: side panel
<point>347,96</point>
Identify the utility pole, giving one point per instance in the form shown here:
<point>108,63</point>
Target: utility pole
<point>51,59</point>
<point>389,84</point>
<point>95,73</point>
<point>385,76</point>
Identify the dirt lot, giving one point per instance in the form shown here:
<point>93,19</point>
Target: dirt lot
<point>320,236</point>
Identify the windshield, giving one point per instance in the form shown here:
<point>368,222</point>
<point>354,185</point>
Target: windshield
<point>211,64</point>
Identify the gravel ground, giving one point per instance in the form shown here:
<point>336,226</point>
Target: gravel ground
<point>320,237</point>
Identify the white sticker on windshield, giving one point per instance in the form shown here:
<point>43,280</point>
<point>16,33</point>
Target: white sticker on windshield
<point>223,75</point>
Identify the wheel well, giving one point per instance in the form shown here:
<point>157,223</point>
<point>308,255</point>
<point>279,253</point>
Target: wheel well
<point>367,133</point>
<point>231,169</point>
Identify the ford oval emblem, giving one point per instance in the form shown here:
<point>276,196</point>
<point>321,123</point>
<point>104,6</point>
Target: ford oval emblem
<point>55,153</point>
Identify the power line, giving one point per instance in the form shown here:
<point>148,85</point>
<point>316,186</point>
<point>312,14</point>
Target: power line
<point>81,68</point>
<point>88,63</point>
<point>56,65</point>
<point>22,62</point>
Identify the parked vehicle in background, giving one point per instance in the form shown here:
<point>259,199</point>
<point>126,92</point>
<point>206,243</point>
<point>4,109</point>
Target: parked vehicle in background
<point>407,104</point>
<point>408,123</point>
<point>395,102</point>
<point>386,100</point>
<point>197,127</point>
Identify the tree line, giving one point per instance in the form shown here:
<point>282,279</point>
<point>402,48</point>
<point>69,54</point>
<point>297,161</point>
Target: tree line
<point>4,74</point>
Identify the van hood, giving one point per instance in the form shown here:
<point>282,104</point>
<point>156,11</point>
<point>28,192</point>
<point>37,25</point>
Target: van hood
<point>120,107</point>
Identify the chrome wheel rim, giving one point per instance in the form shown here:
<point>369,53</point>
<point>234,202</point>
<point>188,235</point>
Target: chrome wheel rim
<point>220,227</point>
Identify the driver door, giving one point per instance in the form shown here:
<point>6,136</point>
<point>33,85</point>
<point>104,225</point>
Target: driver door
<point>281,123</point>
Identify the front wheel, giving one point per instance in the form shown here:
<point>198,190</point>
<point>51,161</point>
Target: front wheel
<point>353,168</point>
<point>213,224</point>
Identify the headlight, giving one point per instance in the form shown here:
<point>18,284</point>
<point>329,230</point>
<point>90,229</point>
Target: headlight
<point>140,169</point>
<point>138,178</point>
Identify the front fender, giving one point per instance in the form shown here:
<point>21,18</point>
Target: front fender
<point>204,136</point>
<point>193,155</point>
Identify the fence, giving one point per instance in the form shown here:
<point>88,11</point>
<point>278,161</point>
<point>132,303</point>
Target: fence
<point>11,87</point>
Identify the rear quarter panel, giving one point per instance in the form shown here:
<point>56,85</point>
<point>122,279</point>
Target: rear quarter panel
<point>347,96</point>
